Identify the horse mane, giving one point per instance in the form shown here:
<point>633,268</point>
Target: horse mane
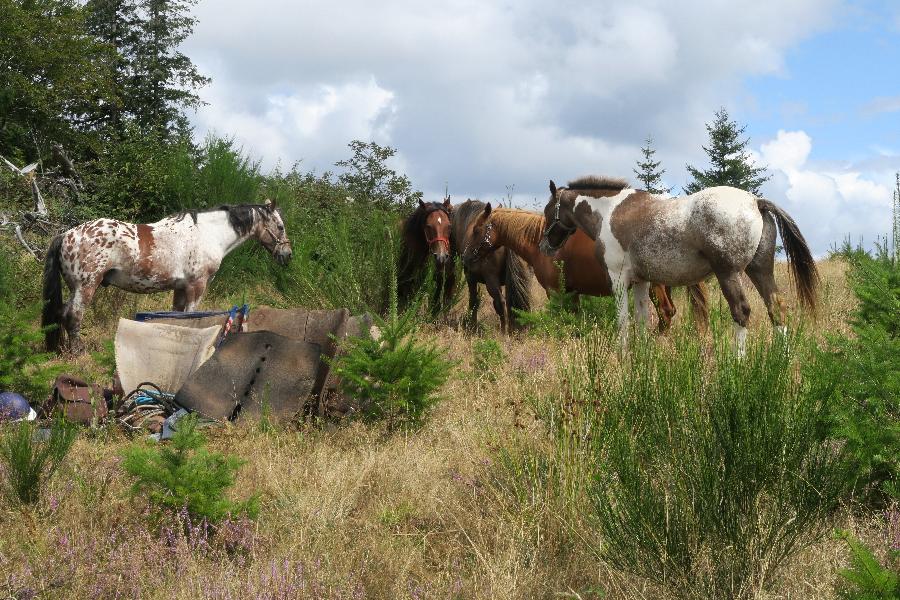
<point>241,217</point>
<point>598,182</point>
<point>522,224</point>
<point>463,215</point>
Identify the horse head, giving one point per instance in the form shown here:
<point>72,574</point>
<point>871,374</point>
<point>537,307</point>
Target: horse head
<point>559,215</point>
<point>436,229</point>
<point>481,239</point>
<point>271,233</point>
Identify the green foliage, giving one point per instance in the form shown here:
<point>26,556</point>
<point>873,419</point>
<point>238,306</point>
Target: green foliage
<point>730,162</point>
<point>863,373</point>
<point>394,376</point>
<point>867,579</point>
<point>106,359</point>
<point>23,366</point>
<point>52,80</point>
<point>568,314</point>
<point>487,357</point>
<point>29,463</point>
<point>648,171</point>
<point>184,474</point>
<point>703,478</point>
<point>369,178</point>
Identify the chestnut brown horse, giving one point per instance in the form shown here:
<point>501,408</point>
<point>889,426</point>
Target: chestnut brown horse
<point>501,269</point>
<point>426,235</point>
<point>180,253</point>
<point>521,231</point>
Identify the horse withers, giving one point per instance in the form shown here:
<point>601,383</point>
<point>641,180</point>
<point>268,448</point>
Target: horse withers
<point>681,241</point>
<point>181,253</point>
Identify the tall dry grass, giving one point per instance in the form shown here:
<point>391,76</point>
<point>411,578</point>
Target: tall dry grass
<point>349,510</point>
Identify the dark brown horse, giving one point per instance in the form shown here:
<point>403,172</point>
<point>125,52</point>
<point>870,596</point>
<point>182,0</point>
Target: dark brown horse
<point>502,268</point>
<point>520,231</point>
<point>426,236</point>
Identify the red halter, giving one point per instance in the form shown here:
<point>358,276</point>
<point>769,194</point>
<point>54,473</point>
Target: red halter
<point>438,238</point>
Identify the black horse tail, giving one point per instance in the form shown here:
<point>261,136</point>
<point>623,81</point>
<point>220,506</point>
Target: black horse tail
<point>52,296</point>
<point>699,305</point>
<point>803,266</point>
<point>517,279</point>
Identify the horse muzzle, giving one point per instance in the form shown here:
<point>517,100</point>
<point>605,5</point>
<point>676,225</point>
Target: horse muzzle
<point>283,255</point>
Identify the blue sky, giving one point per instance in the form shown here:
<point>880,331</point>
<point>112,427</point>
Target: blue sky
<point>487,96</point>
<point>831,85</point>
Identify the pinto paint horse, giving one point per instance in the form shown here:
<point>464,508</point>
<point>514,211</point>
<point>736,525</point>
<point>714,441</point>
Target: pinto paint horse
<point>180,253</point>
<point>681,241</point>
<point>426,235</point>
<point>521,231</point>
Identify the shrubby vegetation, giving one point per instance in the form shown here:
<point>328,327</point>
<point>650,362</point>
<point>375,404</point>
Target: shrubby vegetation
<point>185,475</point>
<point>30,463</point>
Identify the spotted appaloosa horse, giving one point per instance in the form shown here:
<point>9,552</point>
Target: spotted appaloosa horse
<point>426,236</point>
<point>681,241</point>
<point>181,253</point>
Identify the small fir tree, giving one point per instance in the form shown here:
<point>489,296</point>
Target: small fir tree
<point>729,159</point>
<point>648,171</point>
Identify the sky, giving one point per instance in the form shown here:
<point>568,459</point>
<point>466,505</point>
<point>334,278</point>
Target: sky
<point>492,99</point>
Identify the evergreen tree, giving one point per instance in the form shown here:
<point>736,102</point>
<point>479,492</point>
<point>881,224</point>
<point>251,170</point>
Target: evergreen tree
<point>647,172</point>
<point>154,80</point>
<point>729,158</point>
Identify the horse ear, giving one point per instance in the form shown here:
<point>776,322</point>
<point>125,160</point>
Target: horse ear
<point>421,204</point>
<point>447,202</point>
<point>487,209</point>
<point>270,206</point>
<point>552,188</point>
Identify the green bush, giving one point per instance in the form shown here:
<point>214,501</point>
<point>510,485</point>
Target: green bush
<point>185,475</point>
<point>30,463</point>
<point>394,376</point>
<point>568,314</point>
<point>23,366</point>
<point>867,579</point>
<point>704,478</point>
<point>863,372</point>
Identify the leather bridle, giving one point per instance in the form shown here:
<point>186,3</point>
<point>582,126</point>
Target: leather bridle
<point>557,223</point>
<point>485,243</point>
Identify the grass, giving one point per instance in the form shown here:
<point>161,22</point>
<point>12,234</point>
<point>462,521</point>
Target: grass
<point>349,510</point>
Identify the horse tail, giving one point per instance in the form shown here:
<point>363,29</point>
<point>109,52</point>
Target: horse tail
<point>517,279</point>
<point>803,266</point>
<point>52,295</point>
<point>699,305</point>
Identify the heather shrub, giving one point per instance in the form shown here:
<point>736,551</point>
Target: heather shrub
<point>28,462</point>
<point>183,474</point>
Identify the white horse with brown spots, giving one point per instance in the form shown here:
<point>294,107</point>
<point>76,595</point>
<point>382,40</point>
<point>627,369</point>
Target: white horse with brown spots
<point>180,253</point>
<point>682,241</point>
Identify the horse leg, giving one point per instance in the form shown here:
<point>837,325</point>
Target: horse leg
<point>620,289</point>
<point>474,301</point>
<point>730,282</point>
<point>641,303</point>
<point>493,287</point>
<point>195,294</point>
<point>82,296</point>
<point>180,299</point>
<point>661,297</point>
<point>761,272</point>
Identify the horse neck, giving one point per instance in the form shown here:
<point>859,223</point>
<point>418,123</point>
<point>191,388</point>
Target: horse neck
<point>215,231</point>
<point>521,238</point>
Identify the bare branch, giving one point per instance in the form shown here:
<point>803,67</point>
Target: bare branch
<point>39,206</point>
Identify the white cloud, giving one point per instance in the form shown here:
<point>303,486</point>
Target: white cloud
<point>828,204</point>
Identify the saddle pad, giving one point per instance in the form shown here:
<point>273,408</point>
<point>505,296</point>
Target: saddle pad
<point>250,371</point>
<point>161,354</point>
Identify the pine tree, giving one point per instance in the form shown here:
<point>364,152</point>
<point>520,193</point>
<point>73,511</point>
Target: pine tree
<point>729,158</point>
<point>647,172</point>
<point>154,80</point>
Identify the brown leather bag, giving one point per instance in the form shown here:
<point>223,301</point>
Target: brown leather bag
<point>78,401</point>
